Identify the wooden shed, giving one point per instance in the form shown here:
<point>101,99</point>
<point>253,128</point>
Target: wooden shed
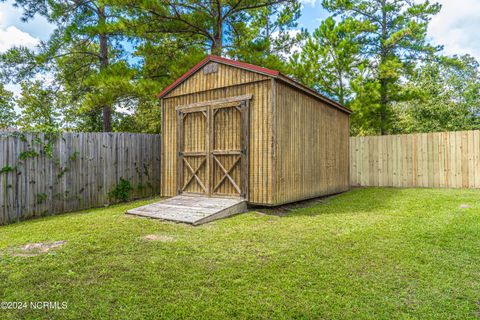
<point>236,129</point>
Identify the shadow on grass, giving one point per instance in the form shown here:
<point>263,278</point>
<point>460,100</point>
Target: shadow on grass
<point>350,202</point>
<point>58,217</point>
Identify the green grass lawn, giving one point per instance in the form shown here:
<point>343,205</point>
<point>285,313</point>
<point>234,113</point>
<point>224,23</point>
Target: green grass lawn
<point>368,253</point>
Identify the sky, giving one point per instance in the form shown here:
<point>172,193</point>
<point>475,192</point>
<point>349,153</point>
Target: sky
<point>456,27</point>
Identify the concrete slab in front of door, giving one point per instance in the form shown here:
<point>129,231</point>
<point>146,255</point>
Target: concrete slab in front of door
<point>192,209</point>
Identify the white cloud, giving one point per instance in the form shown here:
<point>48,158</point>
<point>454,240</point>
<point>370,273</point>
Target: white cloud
<point>456,27</point>
<point>309,2</point>
<point>14,32</point>
<point>37,27</point>
<point>12,36</point>
<point>8,14</point>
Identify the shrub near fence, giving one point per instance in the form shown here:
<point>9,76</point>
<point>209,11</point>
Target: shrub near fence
<point>436,160</point>
<point>43,174</point>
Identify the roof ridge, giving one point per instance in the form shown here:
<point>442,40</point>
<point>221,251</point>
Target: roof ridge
<point>254,68</point>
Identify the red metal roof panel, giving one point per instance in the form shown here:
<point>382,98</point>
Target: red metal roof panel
<point>254,68</point>
<point>209,58</point>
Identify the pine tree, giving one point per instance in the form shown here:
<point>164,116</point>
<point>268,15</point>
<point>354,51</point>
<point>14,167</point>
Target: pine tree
<point>7,110</point>
<point>446,97</point>
<point>331,58</point>
<point>220,25</point>
<point>395,42</point>
<point>85,36</point>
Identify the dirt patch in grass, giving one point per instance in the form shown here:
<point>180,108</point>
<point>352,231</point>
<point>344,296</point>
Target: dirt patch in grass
<point>378,252</point>
<point>158,237</point>
<point>464,206</point>
<point>476,313</point>
<point>285,209</point>
<point>35,249</point>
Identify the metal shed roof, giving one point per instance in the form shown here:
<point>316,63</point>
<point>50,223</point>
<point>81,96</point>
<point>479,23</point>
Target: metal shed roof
<point>250,67</point>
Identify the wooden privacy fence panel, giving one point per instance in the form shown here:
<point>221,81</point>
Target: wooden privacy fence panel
<point>42,174</point>
<point>435,160</point>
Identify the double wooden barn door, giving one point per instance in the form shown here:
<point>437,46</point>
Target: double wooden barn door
<point>213,145</point>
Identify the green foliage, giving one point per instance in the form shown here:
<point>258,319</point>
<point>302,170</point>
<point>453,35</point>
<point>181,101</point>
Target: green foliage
<point>83,55</point>
<point>106,60</point>
<point>62,171</point>
<point>7,112</point>
<point>121,191</point>
<point>48,142</point>
<point>21,135</point>
<point>6,169</point>
<point>445,97</point>
<point>98,84</point>
<point>222,26</point>
<point>331,57</point>
<point>113,86</point>
<point>18,64</point>
<point>366,107</point>
<point>73,156</point>
<point>270,36</point>
<point>395,42</point>
<point>371,253</point>
<point>28,154</point>
<point>40,107</point>
<point>174,36</point>
<point>41,197</point>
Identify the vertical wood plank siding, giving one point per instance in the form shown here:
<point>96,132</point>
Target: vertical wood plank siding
<point>434,160</point>
<point>298,145</point>
<point>226,82</point>
<point>194,124</point>
<point>226,76</point>
<point>311,147</point>
<point>82,169</point>
<point>227,136</point>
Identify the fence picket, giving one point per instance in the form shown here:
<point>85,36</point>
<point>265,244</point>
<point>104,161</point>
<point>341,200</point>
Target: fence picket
<point>443,159</point>
<point>79,173</point>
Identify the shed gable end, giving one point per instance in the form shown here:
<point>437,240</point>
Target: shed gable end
<point>215,75</point>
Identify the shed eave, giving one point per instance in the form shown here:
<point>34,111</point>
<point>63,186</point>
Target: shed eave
<point>253,68</point>
<point>313,93</point>
<point>225,61</point>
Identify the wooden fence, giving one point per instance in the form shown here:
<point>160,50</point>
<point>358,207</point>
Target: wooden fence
<point>437,160</point>
<point>49,174</point>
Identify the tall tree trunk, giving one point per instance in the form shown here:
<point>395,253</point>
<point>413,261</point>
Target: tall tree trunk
<point>383,80</point>
<point>383,106</point>
<point>217,44</point>
<point>269,36</point>
<point>106,109</point>
<point>341,93</point>
<point>341,87</point>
